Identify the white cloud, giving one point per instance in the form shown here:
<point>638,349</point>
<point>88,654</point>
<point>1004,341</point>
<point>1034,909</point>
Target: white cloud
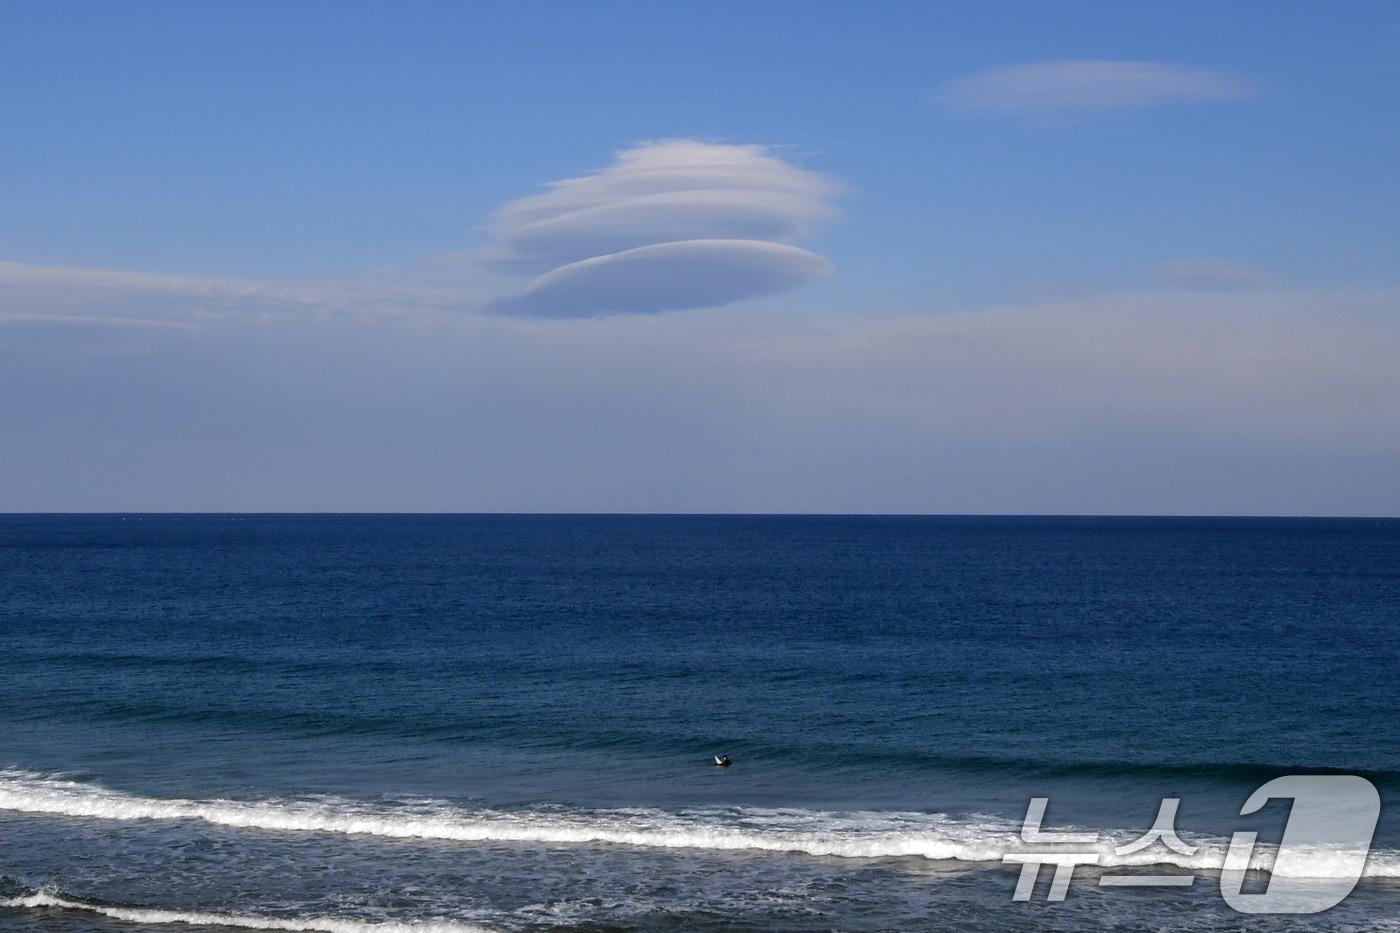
<point>670,225</point>
<point>1090,85</point>
<point>596,238</point>
<point>668,277</point>
<point>655,218</point>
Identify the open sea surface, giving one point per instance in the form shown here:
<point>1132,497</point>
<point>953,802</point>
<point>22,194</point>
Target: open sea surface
<point>370,724</point>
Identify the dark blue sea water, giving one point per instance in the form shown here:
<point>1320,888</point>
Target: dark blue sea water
<point>506,722</point>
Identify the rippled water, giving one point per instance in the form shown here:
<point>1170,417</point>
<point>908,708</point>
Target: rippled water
<point>506,722</point>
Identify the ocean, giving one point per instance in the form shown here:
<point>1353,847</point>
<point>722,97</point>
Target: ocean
<point>361,723</point>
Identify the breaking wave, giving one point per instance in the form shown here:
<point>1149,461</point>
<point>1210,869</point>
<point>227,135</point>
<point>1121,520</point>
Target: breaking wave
<point>818,833</point>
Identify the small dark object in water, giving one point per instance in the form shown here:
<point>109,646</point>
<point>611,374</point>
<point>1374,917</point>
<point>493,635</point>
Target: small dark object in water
<point>723,761</point>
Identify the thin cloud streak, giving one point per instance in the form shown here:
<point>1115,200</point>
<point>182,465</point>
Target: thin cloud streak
<point>1090,85</point>
<point>1212,275</point>
<point>141,298</point>
<point>668,277</point>
<point>15,318</point>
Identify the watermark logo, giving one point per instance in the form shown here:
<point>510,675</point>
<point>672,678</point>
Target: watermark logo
<point>1317,863</point>
<point>1329,829</point>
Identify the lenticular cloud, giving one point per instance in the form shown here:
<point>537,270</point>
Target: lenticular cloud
<point>670,225</point>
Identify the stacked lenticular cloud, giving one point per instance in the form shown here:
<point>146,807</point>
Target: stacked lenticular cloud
<point>670,225</point>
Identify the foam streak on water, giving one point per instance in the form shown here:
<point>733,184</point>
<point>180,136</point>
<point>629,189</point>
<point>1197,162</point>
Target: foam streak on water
<point>145,915</point>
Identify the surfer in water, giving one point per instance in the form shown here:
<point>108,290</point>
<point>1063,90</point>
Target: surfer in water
<point>722,761</point>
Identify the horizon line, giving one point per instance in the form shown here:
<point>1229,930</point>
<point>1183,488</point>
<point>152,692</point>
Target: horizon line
<point>714,514</point>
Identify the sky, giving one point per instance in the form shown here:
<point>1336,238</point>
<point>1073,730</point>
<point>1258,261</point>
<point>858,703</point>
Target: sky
<point>1000,258</point>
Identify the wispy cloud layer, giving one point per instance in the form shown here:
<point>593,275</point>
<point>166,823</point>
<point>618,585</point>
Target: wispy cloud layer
<point>1152,400</point>
<point>1085,85</point>
<point>68,293</point>
<point>670,225</point>
<point>1212,275</point>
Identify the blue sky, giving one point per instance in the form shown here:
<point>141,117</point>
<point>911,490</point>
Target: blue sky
<point>978,257</point>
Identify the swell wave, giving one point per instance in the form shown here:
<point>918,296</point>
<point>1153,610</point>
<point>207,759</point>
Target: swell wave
<point>1215,771</point>
<point>154,916</point>
<point>453,727</point>
<point>820,833</point>
<point>1241,770</point>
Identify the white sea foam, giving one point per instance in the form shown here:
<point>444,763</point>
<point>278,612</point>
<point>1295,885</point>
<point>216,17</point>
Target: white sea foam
<point>152,916</point>
<point>856,835</point>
